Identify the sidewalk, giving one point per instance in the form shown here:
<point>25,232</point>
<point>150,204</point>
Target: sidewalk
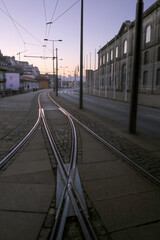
<point>150,100</point>
<point>26,190</point>
<point>128,204</point>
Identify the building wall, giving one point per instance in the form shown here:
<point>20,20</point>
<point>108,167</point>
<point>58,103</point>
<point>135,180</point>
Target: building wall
<point>90,81</point>
<point>115,72</point>
<point>12,81</point>
<point>43,84</point>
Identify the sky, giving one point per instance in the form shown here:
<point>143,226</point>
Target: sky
<point>25,24</point>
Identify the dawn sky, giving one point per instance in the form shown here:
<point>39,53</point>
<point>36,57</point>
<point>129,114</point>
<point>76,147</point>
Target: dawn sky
<point>23,28</point>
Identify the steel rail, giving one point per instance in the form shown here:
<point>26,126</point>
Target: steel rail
<point>110,146</point>
<point>20,144</point>
<point>23,141</point>
<point>70,190</point>
<point>71,180</point>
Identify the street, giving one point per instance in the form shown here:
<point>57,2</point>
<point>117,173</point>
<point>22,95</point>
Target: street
<point>148,119</point>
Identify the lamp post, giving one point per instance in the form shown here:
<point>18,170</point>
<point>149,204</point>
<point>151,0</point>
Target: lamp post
<point>59,40</point>
<point>81,60</point>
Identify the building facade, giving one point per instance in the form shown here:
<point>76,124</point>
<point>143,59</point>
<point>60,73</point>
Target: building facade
<point>17,75</point>
<point>115,59</point>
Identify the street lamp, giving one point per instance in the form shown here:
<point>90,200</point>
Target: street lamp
<point>59,40</point>
<point>81,60</point>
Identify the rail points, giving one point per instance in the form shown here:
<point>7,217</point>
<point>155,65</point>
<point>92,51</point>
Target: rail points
<point>61,177</point>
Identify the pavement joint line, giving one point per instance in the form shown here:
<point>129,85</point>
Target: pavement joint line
<point>122,196</point>
<point>18,211</point>
<point>135,226</point>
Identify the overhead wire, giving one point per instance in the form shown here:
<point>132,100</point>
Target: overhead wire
<point>45,14</point>
<point>52,17</point>
<point>13,21</point>
<point>21,26</point>
<point>51,22</point>
<point>65,11</point>
<point>47,34</point>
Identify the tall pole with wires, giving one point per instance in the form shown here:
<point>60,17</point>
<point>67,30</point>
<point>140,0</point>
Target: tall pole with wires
<point>136,67</point>
<point>81,60</point>
<point>56,72</point>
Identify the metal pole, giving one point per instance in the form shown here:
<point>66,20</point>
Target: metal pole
<point>56,72</point>
<point>98,84</point>
<point>53,65</point>
<point>106,84</point>
<point>90,85</point>
<point>81,60</point>
<point>94,72</point>
<point>126,84</point>
<point>136,67</point>
<point>114,87</point>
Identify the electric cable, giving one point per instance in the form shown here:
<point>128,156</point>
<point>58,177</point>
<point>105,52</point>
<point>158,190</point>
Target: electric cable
<point>52,18</point>
<point>21,26</point>
<point>66,11</point>
<point>12,21</point>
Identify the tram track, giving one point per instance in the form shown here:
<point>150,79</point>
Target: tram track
<point>114,149</point>
<point>70,196</point>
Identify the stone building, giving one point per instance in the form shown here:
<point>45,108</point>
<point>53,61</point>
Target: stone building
<point>43,81</point>
<point>115,59</point>
<point>17,75</point>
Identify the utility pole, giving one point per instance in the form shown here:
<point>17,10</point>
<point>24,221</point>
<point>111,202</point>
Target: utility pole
<point>136,67</point>
<point>53,40</point>
<point>81,60</point>
<point>56,72</point>
<point>19,53</point>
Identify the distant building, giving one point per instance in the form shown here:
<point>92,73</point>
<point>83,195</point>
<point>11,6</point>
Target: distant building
<point>28,84</point>
<point>29,69</point>
<point>43,81</point>
<point>12,81</point>
<point>115,59</point>
<point>17,75</point>
<point>4,67</point>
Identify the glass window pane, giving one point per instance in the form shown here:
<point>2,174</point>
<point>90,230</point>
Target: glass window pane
<point>125,47</point>
<point>148,34</point>
<point>116,52</point>
<point>111,54</point>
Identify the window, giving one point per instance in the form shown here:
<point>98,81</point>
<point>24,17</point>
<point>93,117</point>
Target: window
<point>158,77</point>
<point>116,52</point>
<point>158,55</point>
<point>100,61</point>
<point>146,57</point>
<point>111,54</point>
<point>1,76</point>
<point>107,57</point>
<point>145,78</point>
<point>148,34</point>
<point>104,59</point>
<point>125,47</point>
<point>102,82</point>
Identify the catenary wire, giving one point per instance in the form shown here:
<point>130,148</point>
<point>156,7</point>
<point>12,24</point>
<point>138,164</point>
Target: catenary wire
<point>12,21</point>
<point>45,14</point>
<point>52,18</point>
<point>65,11</point>
<point>21,26</point>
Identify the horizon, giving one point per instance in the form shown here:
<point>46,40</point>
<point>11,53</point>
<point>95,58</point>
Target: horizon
<point>102,21</point>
